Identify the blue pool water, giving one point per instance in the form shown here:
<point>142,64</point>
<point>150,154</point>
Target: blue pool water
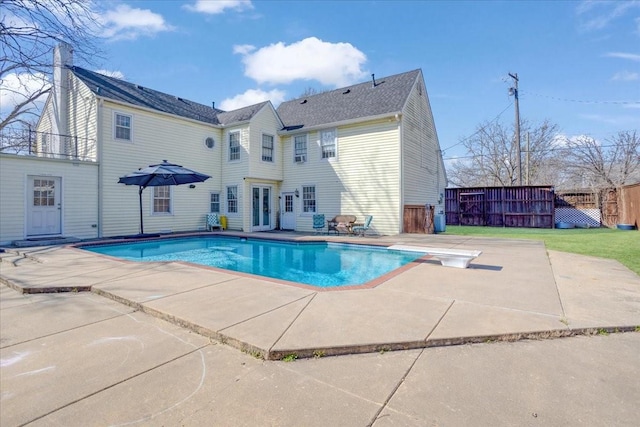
<point>322,264</point>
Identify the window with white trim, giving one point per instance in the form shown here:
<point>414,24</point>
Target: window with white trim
<point>328,143</point>
<point>162,200</point>
<point>234,146</point>
<point>122,127</point>
<point>309,198</point>
<point>232,199</point>
<point>300,148</point>
<point>267,148</point>
<point>214,202</point>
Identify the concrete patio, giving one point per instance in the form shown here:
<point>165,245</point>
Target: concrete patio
<point>516,289</point>
<point>80,359</point>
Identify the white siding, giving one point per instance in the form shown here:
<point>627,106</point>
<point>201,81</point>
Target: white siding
<point>264,122</point>
<point>79,198</point>
<point>234,174</point>
<point>156,137</point>
<point>363,180</point>
<point>80,142</point>
<point>423,174</point>
<point>82,119</point>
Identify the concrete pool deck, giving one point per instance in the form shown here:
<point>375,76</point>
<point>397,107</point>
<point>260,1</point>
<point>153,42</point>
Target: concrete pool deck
<point>515,290</point>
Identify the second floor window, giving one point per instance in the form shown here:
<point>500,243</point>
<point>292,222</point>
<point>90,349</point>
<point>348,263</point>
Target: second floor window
<point>234,146</point>
<point>328,143</point>
<point>122,127</point>
<point>267,148</point>
<point>300,148</point>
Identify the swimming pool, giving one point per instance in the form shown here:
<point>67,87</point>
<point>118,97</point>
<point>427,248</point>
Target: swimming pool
<point>322,264</point>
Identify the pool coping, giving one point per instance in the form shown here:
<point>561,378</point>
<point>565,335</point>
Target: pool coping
<point>316,238</point>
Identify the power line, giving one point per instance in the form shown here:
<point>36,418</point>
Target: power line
<point>546,150</point>
<point>581,101</point>
<point>479,130</point>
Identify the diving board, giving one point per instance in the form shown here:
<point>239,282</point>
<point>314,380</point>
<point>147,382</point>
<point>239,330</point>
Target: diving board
<point>459,258</point>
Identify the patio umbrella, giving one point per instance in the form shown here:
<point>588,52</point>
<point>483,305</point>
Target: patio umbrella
<point>160,175</point>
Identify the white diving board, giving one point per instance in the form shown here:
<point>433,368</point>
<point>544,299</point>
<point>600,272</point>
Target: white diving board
<point>459,258</point>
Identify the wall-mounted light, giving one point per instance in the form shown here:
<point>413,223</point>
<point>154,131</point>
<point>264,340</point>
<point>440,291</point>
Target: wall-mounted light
<point>297,193</point>
<point>192,186</point>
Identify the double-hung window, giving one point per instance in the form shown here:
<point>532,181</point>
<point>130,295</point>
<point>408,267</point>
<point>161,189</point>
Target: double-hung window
<point>300,148</point>
<point>328,143</point>
<point>214,202</point>
<point>267,148</point>
<point>309,198</point>
<point>234,146</point>
<point>162,200</point>
<point>122,128</point>
<point>232,199</point>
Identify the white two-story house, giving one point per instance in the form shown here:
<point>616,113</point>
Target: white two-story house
<point>366,149</point>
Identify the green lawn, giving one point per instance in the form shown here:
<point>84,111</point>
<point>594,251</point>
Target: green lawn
<point>620,245</point>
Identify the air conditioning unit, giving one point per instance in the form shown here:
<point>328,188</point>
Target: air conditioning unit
<point>301,159</point>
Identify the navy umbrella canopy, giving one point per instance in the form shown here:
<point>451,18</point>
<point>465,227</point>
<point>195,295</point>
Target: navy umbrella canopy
<point>162,174</point>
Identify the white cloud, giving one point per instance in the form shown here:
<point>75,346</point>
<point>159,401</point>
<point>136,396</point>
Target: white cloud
<point>15,88</point>
<point>334,64</point>
<point>114,74</point>
<point>251,97</point>
<point>597,15</point>
<point>624,55</point>
<point>127,23</point>
<point>625,76</point>
<point>243,49</point>
<point>214,7</point>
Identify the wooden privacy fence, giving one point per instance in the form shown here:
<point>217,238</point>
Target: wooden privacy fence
<point>524,206</point>
<point>629,205</point>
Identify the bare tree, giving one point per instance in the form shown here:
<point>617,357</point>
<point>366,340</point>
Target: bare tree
<point>611,164</point>
<point>29,31</point>
<point>492,155</point>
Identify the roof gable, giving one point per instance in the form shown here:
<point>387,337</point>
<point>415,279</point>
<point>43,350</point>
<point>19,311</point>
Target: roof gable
<point>362,100</point>
<point>241,114</point>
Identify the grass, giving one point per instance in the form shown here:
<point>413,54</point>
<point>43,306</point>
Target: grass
<point>621,245</point>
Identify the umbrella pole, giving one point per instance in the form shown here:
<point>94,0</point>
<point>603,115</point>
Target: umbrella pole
<point>140,196</point>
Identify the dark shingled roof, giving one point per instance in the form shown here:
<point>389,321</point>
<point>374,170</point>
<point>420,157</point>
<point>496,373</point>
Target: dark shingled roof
<point>123,91</point>
<point>241,114</point>
<point>349,103</point>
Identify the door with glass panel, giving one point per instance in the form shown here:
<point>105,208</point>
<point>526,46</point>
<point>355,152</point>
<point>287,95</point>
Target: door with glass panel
<point>261,208</point>
<point>44,208</point>
<point>288,220</point>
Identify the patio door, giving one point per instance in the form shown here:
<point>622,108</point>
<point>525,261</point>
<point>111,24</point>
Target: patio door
<point>261,208</point>
<point>44,209</point>
<point>288,220</point>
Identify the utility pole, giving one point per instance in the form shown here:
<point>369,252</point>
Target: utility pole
<point>514,91</point>
<point>527,160</point>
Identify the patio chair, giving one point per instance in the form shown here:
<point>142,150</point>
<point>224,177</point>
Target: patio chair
<point>341,224</point>
<point>213,221</point>
<point>318,223</point>
<point>361,228</point>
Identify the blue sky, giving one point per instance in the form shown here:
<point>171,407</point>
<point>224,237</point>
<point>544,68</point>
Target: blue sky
<point>578,61</point>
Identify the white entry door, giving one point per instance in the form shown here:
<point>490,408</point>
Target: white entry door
<point>288,219</point>
<point>261,208</point>
<point>44,209</point>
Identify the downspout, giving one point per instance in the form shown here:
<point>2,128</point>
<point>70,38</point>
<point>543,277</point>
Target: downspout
<point>401,146</point>
<point>99,154</point>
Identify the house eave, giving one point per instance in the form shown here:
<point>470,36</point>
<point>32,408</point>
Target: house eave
<point>151,110</point>
<point>393,115</point>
